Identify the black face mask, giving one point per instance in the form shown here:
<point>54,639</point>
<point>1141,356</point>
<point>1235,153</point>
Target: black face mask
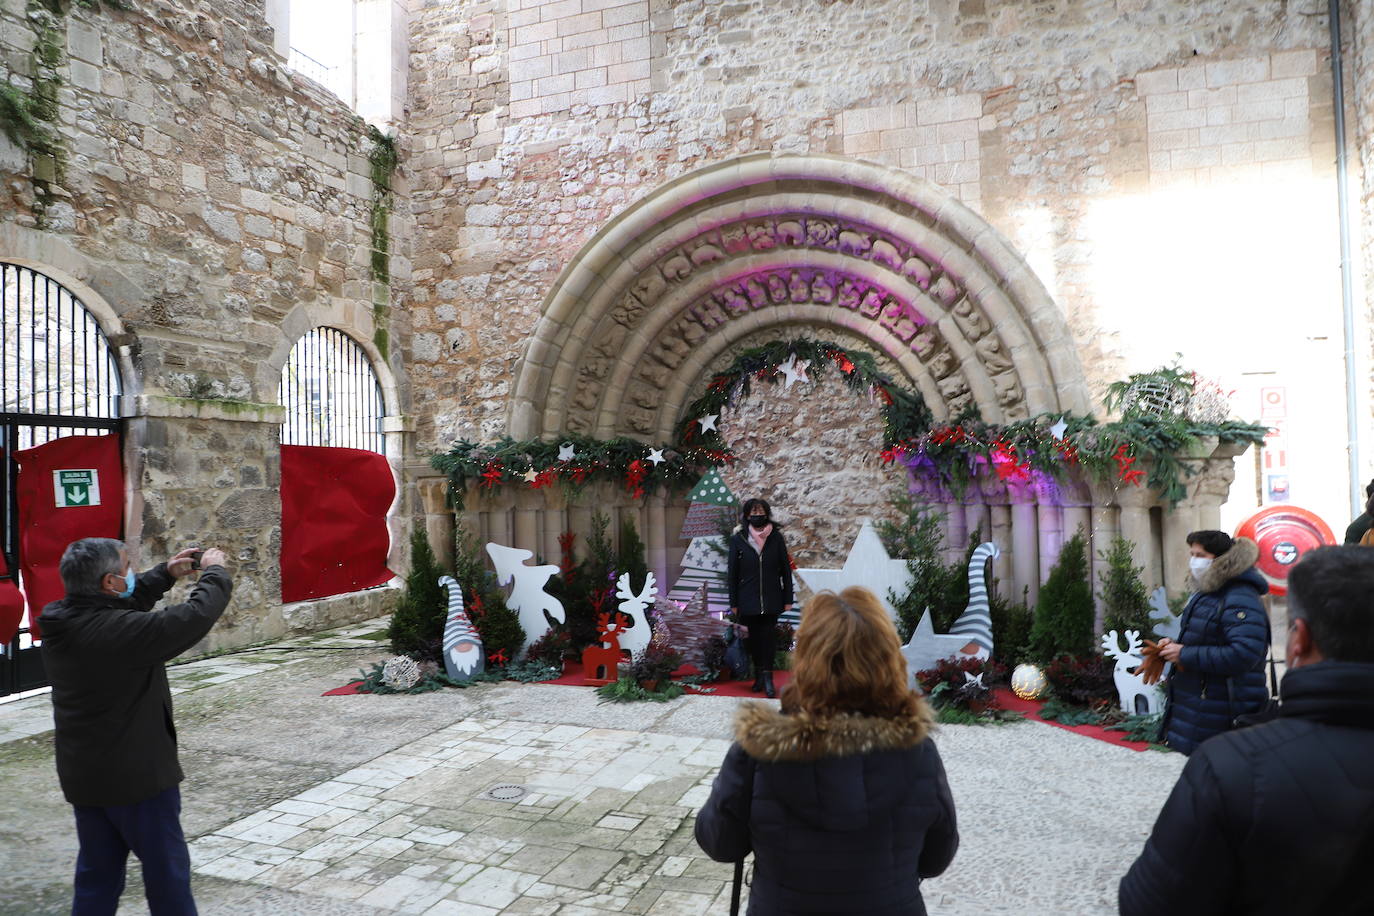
<point>758,521</point>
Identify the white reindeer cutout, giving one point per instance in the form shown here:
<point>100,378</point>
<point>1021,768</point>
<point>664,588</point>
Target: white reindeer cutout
<point>1137,697</point>
<point>527,597</point>
<point>632,606</point>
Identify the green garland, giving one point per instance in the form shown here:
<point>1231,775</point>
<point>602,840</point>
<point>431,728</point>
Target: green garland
<point>537,464</point>
<point>953,454</point>
<point>905,413</point>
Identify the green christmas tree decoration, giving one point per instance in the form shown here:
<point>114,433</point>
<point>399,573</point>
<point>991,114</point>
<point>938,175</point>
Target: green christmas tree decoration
<point>1064,611</point>
<point>1126,604</point>
<point>417,626</point>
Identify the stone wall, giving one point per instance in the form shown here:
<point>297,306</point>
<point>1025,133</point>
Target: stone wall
<point>211,207</point>
<point>1150,159</point>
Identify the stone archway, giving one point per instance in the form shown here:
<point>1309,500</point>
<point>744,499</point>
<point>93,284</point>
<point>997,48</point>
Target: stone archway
<point>817,242</point>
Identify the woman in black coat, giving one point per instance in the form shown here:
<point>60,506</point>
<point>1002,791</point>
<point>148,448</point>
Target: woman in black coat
<point>1223,640</point>
<point>759,573</point>
<point>840,795</point>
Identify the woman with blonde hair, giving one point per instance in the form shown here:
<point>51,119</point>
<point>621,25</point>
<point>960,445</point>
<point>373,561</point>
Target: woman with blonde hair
<point>841,794</point>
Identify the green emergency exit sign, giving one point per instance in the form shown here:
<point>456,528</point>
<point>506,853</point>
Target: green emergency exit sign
<point>76,488</point>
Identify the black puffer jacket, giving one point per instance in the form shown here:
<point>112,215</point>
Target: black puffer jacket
<point>843,815</point>
<point>115,741</point>
<point>760,582</point>
<point>1225,637</point>
<point>1273,819</point>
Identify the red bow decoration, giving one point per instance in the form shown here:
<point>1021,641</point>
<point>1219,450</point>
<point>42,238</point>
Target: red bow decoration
<point>492,475</point>
<point>498,658</point>
<point>1005,462</point>
<point>1124,460</point>
<point>635,473</point>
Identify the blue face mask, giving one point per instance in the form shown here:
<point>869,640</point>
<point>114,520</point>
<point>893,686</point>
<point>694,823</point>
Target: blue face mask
<point>129,580</point>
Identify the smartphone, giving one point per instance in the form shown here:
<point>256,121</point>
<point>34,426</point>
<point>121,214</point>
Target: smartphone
<point>195,559</point>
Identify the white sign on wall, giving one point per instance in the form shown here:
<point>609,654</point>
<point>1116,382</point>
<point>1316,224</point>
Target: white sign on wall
<point>76,488</point>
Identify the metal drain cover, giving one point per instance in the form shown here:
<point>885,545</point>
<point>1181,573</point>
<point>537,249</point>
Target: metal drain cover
<point>505,792</point>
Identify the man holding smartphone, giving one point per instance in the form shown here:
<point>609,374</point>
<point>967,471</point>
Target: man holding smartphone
<point>104,649</point>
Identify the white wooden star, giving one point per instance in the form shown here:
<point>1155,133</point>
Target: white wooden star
<point>656,456</point>
<point>971,679</point>
<point>868,565</point>
<point>530,476</point>
<point>566,452</point>
<point>708,422</point>
<point>1059,428</point>
<point>795,370</point>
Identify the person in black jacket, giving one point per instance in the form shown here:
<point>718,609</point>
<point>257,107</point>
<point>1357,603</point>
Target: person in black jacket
<point>759,577</point>
<point>840,795</point>
<point>1278,818</point>
<point>1223,640</point>
<point>104,649</point>
<point>1357,529</point>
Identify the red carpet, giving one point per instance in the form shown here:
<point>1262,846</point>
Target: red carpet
<point>572,677</point>
<point>1031,708</point>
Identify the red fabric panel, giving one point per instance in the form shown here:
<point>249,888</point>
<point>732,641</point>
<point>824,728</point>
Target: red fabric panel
<point>45,529</point>
<point>334,537</point>
<point>11,605</point>
<point>1031,708</point>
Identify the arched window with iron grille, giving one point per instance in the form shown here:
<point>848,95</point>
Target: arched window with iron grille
<point>58,378</point>
<point>331,394</point>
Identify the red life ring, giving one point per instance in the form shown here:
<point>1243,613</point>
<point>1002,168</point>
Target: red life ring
<point>1284,533</point>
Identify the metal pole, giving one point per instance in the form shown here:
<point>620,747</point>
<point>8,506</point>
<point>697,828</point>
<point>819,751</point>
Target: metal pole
<point>1352,419</point>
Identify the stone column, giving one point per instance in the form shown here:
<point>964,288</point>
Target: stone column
<point>431,488</point>
<point>1025,540</point>
<point>1104,528</point>
<point>1050,535</point>
<point>956,529</point>
<point>1135,503</point>
<point>552,523</point>
<point>525,530</point>
<point>1178,522</point>
<point>656,540</point>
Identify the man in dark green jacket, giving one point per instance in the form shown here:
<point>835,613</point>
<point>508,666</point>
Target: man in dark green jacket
<point>104,649</point>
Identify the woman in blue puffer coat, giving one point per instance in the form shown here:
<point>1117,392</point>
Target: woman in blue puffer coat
<point>1223,640</point>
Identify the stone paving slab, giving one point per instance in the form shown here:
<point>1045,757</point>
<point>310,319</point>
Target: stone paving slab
<point>412,830</point>
<point>374,804</point>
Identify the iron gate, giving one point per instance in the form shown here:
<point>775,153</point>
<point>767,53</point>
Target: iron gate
<point>58,377</point>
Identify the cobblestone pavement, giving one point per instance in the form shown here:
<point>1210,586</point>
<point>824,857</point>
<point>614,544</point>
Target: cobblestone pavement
<point>297,803</point>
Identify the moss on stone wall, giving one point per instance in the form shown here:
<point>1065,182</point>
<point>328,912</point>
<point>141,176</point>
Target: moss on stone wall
<point>383,159</point>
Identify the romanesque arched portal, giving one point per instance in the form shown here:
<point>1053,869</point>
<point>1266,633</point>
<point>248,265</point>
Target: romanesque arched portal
<point>800,242</point>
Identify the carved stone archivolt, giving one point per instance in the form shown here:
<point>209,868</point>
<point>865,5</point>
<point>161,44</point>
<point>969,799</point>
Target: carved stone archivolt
<point>921,283</point>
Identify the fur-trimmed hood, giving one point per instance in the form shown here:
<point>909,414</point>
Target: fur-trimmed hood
<point>770,735</point>
<point>1230,565</point>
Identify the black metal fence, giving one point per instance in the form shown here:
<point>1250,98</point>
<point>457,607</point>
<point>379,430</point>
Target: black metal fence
<point>58,377</point>
<point>331,394</point>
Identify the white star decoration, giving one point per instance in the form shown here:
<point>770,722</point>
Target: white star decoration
<point>530,475</point>
<point>1058,429</point>
<point>868,565</point>
<point>708,422</point>
<point>795,370</point>
<point>566,452</point>
<point>970,679</point>
<point>656,456</point>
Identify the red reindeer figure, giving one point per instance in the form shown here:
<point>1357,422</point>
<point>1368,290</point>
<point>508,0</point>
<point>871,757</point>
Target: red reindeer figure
<point>600,662</point>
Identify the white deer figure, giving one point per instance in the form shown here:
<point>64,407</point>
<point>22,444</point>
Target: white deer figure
<point>1137,697</point>
<point>632,606</point>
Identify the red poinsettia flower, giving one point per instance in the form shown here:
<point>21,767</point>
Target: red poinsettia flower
<point>498,658</point>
